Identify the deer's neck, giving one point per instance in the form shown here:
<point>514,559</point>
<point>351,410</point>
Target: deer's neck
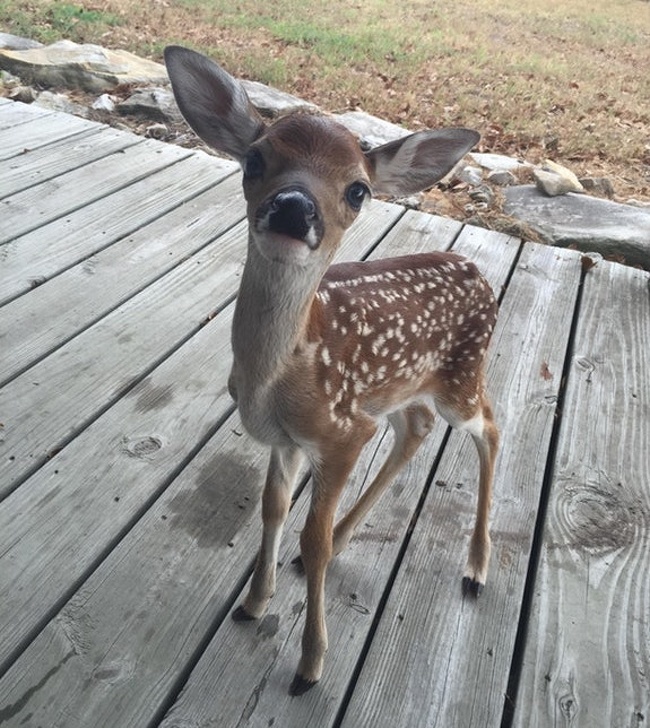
<point>271,317</point>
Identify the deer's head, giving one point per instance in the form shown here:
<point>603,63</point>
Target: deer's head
<point>305,176</point>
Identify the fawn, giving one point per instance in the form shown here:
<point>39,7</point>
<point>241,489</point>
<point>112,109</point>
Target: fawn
<point>320,352</point>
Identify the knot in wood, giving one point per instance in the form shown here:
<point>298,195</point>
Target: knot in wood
<point>600,518</point>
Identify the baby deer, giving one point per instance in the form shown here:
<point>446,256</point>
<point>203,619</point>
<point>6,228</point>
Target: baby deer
<point>320,352</point>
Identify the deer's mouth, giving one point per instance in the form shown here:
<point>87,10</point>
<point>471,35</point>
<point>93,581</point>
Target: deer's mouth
<point>291,215</point>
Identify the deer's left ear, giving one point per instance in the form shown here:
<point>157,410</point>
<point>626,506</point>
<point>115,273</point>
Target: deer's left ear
<point>418,161</point>
<point>213,103</point>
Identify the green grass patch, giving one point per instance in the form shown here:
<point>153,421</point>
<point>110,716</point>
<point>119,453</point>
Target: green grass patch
<point>537,78</point>
<point>51,21</point>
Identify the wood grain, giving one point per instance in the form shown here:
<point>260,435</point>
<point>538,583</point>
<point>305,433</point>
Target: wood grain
<point>42,130</point>
<point>102,282</point>
<point>36,166</point>
<point>15,114</point>
<point>31,208</point>
<point>60,522</point>
<point>44,407</point>
<point>122,553</point>
<point>587,655</point>
<point>31,259</point>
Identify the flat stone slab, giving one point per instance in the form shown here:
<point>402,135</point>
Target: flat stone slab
<point>272,102</point>
<point>88,67</point>
<point>588,223</point>
<point>17,43</point>
<point>157,104</point>
<point>497,162</point>
<point>372,131</point>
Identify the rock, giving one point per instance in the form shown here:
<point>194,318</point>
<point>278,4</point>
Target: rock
<point>494,162</point>
<point>551,166</point>
<point>26,94</point>
<point>60,102</point>
<point>88,67</point>
<point>599,185</point>
<point>501,178</point>
<point>412,202</point>
<point>157,104</point>
<point>638,203</point>
<point>105,102</point>
<point>554,179</point>
<point>482,194</point>
<point>372,132</point>
<point>550,183</point>
<point>272,102</point>
<point>16,43</point>
<point>470,175</point>
<point>157,131</point>
<point>588,223</point>
<point>8,80</point>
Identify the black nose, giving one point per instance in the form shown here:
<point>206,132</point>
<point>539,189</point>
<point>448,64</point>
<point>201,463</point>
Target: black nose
<point>294,213</point>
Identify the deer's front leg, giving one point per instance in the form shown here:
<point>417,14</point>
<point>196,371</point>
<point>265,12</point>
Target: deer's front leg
<point>330,476</point>
<point>276,499</point>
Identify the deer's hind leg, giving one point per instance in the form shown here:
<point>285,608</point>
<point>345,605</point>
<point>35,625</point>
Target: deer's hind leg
<point>477,419</point>
<point>485,434</point>
<point>411,425</point>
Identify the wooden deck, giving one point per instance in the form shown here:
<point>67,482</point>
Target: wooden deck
<point>129,517</point>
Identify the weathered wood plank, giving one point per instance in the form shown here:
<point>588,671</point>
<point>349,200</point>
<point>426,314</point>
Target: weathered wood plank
<point>18,114</point>
<point>33,258</point>
<point>254,690</point>
<point>479,246</point>
<point>45,406</point>
<point>243,677</point>
<point>40,131</point>
<point>153,600</point>
<point>58,523</point>
<point>102,282</point>
<point>156,433</point>
<point>40,165</point>
<point>50,200</point>
<point>418,231</point>
<point>43,409</point>
<point>587,655</point>
<point>436,655</point>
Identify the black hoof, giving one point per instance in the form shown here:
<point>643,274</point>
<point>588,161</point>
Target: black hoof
<point>470,586</point>
<point>241,615</point>
<point>299,685</point>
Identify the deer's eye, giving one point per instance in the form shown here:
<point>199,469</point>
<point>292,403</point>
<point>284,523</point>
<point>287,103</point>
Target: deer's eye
<point>253,165</point>
<point>355,194</point>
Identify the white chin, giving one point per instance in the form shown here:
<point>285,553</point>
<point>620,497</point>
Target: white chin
<point>282,249</point>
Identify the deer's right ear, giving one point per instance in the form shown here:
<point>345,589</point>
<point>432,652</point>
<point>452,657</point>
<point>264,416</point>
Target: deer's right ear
<point>212,102</point>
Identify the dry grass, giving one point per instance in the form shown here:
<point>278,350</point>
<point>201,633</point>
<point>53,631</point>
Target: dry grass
<point>570,81</point>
